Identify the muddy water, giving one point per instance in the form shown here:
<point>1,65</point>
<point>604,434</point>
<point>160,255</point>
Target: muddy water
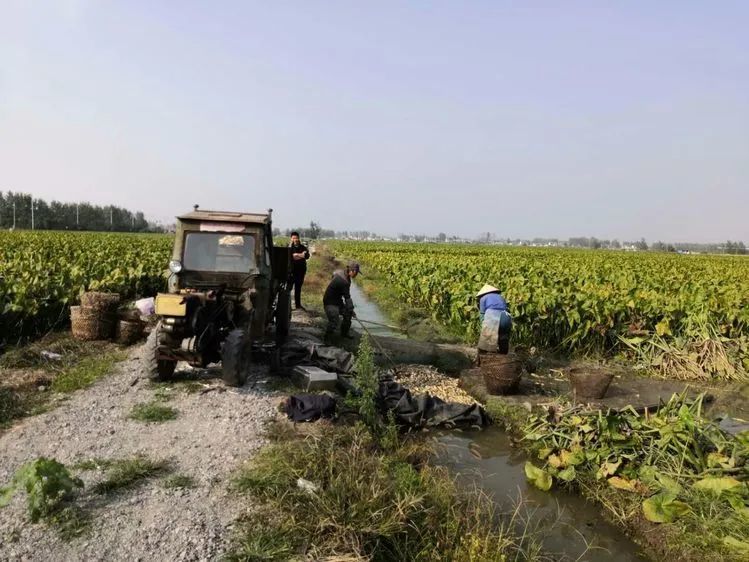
<point>367,310</point>
<point>570,525</point>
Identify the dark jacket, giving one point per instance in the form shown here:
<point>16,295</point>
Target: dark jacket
<point>299,266</point>
<point>338,292</point>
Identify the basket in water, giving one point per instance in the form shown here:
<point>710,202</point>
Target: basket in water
<point>128,332</point>
<point>589,384</point>
<point>100,302</point>
<point>501,373</point>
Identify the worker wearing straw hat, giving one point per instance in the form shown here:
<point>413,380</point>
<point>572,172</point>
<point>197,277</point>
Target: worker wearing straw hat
<point>496,322</point>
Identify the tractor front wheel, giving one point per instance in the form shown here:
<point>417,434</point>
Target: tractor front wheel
<point>235,358</point>
<point>157,369</point>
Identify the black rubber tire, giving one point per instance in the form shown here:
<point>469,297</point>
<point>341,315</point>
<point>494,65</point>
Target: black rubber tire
<point>157,369</point>
<point>283,316</point>
<point>275,362</point>
<point>235,358</point>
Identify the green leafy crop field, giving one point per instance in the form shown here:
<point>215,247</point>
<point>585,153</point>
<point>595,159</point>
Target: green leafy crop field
<point>685,315</point>
<point>42,272</point>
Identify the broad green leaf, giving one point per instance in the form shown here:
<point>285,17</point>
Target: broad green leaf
<point>622,484</point>
<point>607,469</point>
<point>738,505</point>
<point>570,458</point>
<point>663,508</point>
<point>555,461</point>
<point>538,477</point>
<point>568,474</point>
<point>544,453</point>
<point>735,544</point>
<point>717,484</point>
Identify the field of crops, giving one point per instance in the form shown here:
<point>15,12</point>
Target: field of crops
<point>685,315</point>
<point>42,272</point>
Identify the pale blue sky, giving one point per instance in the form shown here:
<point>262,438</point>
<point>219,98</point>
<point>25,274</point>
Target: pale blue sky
<point>609,119</point>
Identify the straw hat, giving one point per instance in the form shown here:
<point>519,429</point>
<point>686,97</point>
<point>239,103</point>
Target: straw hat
<point>486,289</point>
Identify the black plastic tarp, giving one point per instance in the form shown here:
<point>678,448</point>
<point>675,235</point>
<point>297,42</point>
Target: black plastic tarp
<point>301,351</point>
<point>425,410</point>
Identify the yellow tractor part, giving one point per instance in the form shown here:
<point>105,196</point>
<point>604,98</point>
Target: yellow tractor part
<point>170,305</point>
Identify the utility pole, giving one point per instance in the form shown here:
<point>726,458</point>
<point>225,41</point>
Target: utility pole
<point>14,215</point>
<point>110,217</point>
<point>32,213</point>
<point>76,215</point>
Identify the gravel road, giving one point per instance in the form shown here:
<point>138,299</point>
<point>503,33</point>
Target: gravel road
<point>215,432</point>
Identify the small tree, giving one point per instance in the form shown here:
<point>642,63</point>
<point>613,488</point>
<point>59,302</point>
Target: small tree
<point>314,230</point>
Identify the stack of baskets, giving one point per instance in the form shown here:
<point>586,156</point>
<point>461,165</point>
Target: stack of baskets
<point>128,331</point>
<point>95,318</point>
<point>501,372</point>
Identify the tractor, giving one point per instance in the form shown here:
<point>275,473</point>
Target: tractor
<point>228,288</point>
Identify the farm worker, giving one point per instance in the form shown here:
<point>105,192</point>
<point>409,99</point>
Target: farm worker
<point>299,257</point>
<point>496,322</point>
<point>337,301</point>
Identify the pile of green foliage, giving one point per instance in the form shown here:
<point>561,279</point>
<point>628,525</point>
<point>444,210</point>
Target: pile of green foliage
<point>670,467</point>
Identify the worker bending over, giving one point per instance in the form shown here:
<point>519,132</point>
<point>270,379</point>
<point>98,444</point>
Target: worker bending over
<point>337,301</point>
<point>496,322</point>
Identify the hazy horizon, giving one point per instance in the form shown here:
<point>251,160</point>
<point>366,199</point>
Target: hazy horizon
<point>533,120</point>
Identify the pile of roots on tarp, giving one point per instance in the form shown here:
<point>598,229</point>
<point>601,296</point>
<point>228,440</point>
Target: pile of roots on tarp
<point>392,398</point>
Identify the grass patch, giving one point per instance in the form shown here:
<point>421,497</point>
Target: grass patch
<point>153,412</point>
<point>509,416</point>
<point>70,522</point>
<point>368,503</point>
<point>93,464</point>
<point>86,372</point>
<point>57,362</point>
<point>127,473</point>
<point>179,481</point>
<point>11,406</point>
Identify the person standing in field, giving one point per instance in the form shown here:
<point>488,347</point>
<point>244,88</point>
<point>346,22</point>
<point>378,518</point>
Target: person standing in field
<point>496,322</point>
<point>337,301</point>
<point>299,257</point>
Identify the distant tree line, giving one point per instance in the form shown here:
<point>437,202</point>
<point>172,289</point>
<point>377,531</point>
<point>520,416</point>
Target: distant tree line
<point>315,231</point>
<point>16,211</point>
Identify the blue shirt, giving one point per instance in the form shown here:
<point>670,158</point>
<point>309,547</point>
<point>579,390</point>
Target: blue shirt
<point>492,301</point>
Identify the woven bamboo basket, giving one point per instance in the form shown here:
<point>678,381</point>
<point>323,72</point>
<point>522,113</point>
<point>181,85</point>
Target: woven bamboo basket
<point>128,332</point>
<point>100,302</point>
<point>84,324</point>
<point>501,373</point>
<point>589,384</point>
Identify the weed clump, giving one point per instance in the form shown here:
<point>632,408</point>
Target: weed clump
<point>48,485</point>
<point>86,372</point>
<point>153,412</point>
<point>127,473</point>
<point>179,481</point>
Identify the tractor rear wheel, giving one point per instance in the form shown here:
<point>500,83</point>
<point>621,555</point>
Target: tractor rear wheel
<point>235,358</point>
<point>157,369</point>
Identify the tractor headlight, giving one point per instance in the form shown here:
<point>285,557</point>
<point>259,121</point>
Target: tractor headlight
<point>175,266</point>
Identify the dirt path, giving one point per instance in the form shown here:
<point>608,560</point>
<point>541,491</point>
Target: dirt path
<point>213,434</point>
